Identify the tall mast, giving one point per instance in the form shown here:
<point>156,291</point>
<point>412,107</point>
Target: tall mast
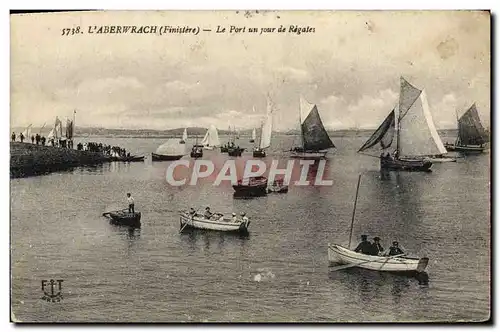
<point>457,141</point>
<point>397,128</point>
<point>300,126</point>
<point>354,210</point>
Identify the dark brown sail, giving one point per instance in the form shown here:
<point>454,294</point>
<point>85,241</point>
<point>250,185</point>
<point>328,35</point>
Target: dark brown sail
<point>470,129</point>
<point>383,135</point>
<point>314,135</point>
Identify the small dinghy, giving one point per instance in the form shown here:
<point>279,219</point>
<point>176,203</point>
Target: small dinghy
<point>123,217</point>
<point>277,187</point>
<point>216,223</point>
<point>338,255</point>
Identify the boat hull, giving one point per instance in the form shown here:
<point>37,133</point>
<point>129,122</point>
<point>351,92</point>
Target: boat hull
<point>221,225</point>
<point>124,218</point>
<point>223,149</point>
<point>196,154</point>
<point>472,149</point>
<point>235,152</point>
<point>338,255</point>
<point>259,153</point>
<point>412,165</point>
<point>308,154</point>
<point>127,159</point>
<point>161,157</point>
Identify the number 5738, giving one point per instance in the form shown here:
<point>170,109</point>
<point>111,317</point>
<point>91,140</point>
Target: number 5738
<point>71,31</point>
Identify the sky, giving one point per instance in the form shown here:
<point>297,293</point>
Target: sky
<point>350,67</point>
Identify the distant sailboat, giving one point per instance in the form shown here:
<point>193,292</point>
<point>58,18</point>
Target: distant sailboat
<point>265,134</point>
<point>416,136</point>
<point>472,136</point>
<point>254,135</point>
<point>170,150</point>
<point>184,136</point>
<point>211,139</point>
<point>314,138</point>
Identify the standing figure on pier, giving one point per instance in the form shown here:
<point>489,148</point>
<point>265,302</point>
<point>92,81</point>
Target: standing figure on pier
<point>32,139</point>
<point>13,137</point>
<point>21,137</point>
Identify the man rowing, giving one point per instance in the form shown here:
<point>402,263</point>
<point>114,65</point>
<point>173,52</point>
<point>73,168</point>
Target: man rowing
<point>365,246</point>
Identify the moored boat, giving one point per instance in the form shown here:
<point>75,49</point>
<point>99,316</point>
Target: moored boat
<point>255,186</point>
<point>315,141</point>
<point>161,157</point>
<point>184,137</point>
<point>338,255</point>
<point>128,158</point>
<point>216,223</point>
<point>123,217</point>
<point>235,151</point>
<point>277,187</point>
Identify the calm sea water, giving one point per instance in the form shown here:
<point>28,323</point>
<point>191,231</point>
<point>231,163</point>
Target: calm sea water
<point>279,273</point>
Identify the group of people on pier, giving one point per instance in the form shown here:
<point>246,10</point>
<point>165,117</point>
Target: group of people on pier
<point>103,148</point>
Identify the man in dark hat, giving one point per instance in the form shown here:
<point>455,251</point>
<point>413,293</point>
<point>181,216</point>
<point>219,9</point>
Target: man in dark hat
<point>208,213</point>
<point>395,249</point>
<point>377,247</point>
<point>365,246</point>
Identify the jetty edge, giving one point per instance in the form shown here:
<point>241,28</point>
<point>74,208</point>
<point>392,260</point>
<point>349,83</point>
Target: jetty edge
<point>28,159</point>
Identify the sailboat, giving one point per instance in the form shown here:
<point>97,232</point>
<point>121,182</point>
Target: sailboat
<point>254,135</point>
<point>345,258</point>
<point>416,136</point>
<point>184,136</point>
<point>472,136</point>
<point>265,134</point>
<point>170,150</point>
<point>315,141</point>
<point>27,133</point>
<point>211,139</point>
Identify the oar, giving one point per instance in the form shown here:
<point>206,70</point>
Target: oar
<point>358,264</point>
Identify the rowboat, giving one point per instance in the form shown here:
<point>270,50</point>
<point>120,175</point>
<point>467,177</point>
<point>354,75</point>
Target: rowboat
<point>346,258</point>
<point>128,158</point>
<point>216,223</point>
<point>123,217</point>
<point>235,151</point>
<point>162,157</point>
<point>255,186</point>
<point>338,255</point>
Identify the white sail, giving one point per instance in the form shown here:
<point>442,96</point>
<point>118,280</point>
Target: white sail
<point>27,132</point>
<point>172,147</point>
<point>430,123</point>
<point>267,129</point>
<point>204,141</point>
<point>417,133</point>
<point>305,109</point>
<point>185,135</point>
<point>51,134</point>
<point>254,135</point>
<point>211,138</point>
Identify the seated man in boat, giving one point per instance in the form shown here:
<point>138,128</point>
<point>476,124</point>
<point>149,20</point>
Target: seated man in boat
<point>395,249</point>
<point>234,218</point>
<point>365,246</point>
<point>207,214</point>
<point>130,201</point>
<point>377,247</point>
<point>192,212</point>
<point>244,217</point>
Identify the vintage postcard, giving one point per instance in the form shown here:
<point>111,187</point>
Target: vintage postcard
<point>250,166</point>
